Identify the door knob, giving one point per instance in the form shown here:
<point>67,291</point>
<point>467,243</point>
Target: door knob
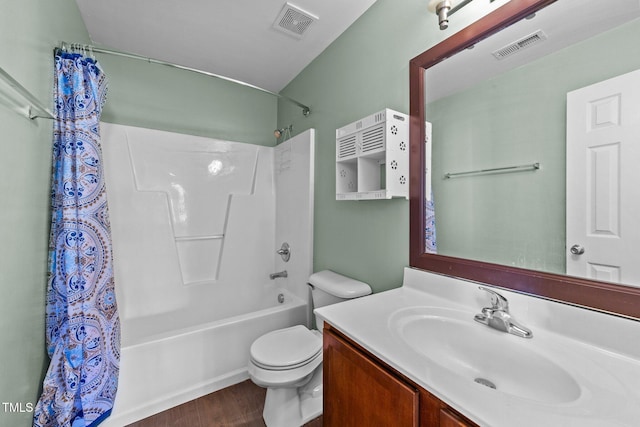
<point>577,250</point>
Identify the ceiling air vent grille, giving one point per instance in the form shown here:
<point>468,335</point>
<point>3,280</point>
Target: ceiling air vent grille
<point>294,21</point>
<point>519,45</point>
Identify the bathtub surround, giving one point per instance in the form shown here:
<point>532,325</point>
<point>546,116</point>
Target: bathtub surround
<point>197,223</point>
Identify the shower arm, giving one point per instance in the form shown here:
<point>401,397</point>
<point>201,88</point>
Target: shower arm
<point>89,48</point>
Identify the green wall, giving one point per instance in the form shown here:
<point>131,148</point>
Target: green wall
<point>160,97</point>
<point>365,70</point>
<point>29,29</point>
<point>482,217</point>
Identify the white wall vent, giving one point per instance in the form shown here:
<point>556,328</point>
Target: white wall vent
<point>373,139</point>
<point>518,45</point>
<point>294,21</point>
<point>347,146</point>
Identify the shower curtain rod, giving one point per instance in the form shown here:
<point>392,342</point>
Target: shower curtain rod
<point>78,46</point>
<point>34,107</point>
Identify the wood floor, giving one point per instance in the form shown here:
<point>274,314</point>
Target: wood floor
<point>236,406</point>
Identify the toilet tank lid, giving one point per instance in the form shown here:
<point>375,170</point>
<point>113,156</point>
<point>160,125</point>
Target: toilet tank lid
<point>339,285</point>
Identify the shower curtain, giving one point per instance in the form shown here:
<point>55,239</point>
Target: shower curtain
<point>82,324</point>
<point>430,245</point>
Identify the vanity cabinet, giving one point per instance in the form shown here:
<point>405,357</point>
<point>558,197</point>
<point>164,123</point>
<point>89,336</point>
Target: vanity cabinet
<point>360,390</point>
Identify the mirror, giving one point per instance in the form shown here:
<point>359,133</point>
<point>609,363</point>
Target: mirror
<point>512,227</point>
<point>494,115</point>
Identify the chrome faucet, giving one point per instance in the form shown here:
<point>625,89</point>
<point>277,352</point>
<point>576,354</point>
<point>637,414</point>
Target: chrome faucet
<point>497,316</point>
<point>274,276</point>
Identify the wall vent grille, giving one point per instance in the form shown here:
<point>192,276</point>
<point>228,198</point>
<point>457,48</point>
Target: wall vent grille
<point>347,147</point>
<point>517,46</point>
<point>294,21</point>
<point>373,139</point>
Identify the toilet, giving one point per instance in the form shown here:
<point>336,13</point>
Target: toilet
<point>288,362</point>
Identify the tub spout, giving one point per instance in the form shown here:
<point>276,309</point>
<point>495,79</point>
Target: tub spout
<point>274,276</point>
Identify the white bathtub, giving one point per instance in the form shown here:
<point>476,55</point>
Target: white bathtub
<point>196,223</point>
<point>170,365</point>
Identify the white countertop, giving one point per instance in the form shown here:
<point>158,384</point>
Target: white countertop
<point>601,352</point>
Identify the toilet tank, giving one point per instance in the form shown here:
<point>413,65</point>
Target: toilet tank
<point>328,287</point>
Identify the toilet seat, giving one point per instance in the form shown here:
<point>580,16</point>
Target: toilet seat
<point>286,349</point>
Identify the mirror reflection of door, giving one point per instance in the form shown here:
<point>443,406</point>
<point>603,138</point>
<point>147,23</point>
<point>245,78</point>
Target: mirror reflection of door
<point>603,180</point>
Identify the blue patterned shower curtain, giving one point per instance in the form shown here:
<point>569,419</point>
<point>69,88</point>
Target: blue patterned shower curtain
<point>430,245</point>
<point>82,324</point>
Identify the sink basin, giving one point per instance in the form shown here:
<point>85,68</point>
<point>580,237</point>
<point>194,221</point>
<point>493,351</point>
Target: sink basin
<point>486,357</point>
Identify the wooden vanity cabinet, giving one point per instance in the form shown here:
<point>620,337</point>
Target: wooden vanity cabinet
<point>360,390</point>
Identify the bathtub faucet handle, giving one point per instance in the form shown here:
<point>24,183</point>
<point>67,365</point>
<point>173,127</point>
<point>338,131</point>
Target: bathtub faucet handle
<point>284,252</point>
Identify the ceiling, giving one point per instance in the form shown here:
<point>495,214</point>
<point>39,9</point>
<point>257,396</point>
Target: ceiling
<point>564,23</point>
<point>232,38</point>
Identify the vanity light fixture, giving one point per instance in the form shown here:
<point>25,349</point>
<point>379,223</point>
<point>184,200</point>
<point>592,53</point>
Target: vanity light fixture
<point>445,8</point>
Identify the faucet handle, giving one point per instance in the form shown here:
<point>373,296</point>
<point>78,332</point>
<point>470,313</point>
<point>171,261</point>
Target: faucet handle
<point>498,302</point>
<point>284,252</point>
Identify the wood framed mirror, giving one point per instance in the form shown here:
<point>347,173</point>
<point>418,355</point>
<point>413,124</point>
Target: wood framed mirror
<point>608,297</point>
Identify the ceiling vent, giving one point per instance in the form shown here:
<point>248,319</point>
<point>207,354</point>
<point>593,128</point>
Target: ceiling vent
<point>294,21</point>
<point>519,45</point>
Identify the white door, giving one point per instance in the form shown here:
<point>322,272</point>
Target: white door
<point>603,180</point>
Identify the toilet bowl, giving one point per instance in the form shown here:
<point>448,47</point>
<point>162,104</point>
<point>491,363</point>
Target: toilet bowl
<point>285,361</point>
<point>288,362</point>
<point>285,357</point>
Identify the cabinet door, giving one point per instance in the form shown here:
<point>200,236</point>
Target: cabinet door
<point>450,419</point>
<point>359,392</point>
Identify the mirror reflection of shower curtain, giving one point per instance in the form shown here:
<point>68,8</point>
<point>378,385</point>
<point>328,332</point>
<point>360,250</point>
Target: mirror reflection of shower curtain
<point>429,204</point>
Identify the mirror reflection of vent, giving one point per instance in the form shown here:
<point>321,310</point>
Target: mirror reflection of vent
<point>347,147</point>
<point>373,139</point>
<point>517,46</point>
<point>294,21</point>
